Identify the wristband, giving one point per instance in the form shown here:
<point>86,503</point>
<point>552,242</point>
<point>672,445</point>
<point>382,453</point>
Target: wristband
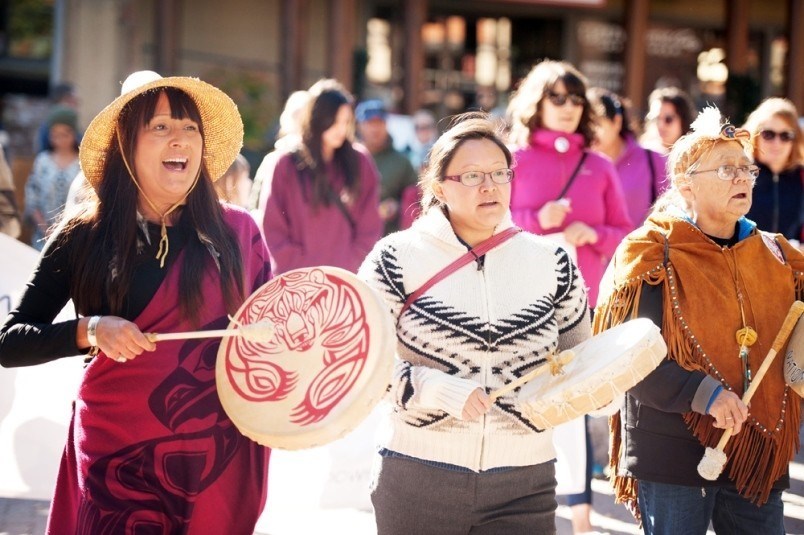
<point>92,328</point>
<point>712,398</point>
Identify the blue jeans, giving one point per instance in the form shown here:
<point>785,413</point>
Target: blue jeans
<point>672,509</point>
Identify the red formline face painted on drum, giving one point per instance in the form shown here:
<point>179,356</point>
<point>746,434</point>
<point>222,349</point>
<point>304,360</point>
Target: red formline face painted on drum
<point>320,360</point>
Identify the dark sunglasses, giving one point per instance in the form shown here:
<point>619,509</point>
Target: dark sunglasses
<point>559,99</point>
<point>785,137</point>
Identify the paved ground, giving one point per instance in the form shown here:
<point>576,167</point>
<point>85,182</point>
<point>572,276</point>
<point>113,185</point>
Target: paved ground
<point>27,517</point>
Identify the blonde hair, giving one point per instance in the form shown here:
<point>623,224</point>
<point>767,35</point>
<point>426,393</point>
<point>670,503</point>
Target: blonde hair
<point>707,131</point>
<point>786,111</point>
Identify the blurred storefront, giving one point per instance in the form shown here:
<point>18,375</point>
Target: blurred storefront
<point>447,55</point>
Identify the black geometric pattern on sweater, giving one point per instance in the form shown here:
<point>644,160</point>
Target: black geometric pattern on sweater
<point>423,419</point>
<point>565,275</point>
<point>534,320</point>
<point>407,389</point>
<point>511,409</point>
<point>390,272</point>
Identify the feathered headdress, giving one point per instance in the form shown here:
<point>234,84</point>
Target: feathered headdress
<point>707,129</point>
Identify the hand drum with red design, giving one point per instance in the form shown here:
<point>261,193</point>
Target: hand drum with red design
<point>328,364</point>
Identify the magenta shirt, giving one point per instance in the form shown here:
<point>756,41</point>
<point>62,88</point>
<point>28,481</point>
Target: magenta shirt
<point>595,195</point>
<point>634,169</point>
<point>299,235</point>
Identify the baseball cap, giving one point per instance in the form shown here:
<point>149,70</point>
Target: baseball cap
<point>370,109</point>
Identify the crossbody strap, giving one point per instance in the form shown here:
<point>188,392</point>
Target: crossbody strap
<point>473,254</point>
<point>572,176</point>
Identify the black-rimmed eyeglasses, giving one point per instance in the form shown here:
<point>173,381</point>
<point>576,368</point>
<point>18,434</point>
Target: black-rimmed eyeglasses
<point>730,172</point>
<point>475,178</point>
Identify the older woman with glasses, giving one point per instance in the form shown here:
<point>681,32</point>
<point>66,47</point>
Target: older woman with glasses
<point>566,191</point>
<point>719,288</point>
<point>456,458</point>
<point>779,153</point>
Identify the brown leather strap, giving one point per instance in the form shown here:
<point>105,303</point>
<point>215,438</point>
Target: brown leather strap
<point>474,253</point>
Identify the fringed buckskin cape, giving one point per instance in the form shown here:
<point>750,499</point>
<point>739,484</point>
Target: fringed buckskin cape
<point>701,315</point>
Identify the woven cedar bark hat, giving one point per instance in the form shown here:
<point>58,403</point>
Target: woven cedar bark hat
<point>221,122</point>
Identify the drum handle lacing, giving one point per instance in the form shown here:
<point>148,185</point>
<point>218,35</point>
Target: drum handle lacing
<point>555,364</point>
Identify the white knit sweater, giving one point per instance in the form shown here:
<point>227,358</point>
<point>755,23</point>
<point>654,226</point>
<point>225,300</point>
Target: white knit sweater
<point>476,328</point>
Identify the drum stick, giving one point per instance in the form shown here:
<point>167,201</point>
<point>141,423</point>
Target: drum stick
<point>261,331</point>
<point>563,358</point>
<point>714,459</point>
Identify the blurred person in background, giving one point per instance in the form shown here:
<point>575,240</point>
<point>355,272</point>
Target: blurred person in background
<point>426,130</point>
<point>320,199</point>
<point>567,192</point>
<point>670,114</point>
<point>62,95</point>
<point>779,153</point>
<point>289,136</point>
<point>235,184</point>
<point>9,213</point>
<point>396,172</point>
<point>642,171</point>
<point>54,170</point>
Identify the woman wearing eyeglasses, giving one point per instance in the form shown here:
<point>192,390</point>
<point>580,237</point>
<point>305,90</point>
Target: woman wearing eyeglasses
<point>719,288</point>
<point>454,460</point>
<point>567,192</point>
<point>779,153</point>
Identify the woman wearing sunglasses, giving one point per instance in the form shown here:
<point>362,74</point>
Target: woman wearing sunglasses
<point>720,289</point>
<point>454,460</point>
<point>779,153</point>
<point>567,192</point>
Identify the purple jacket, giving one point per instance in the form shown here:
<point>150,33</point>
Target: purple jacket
<point>299,235</point>
<point>634,169</point>
<point>595,196</point>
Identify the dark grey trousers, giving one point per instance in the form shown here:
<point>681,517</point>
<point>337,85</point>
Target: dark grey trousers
<point>412,498</point>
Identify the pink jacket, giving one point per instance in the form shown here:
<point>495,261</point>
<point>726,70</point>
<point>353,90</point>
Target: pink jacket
<point>634,169</point>
<point>299,235</point>
<point>595,195</point>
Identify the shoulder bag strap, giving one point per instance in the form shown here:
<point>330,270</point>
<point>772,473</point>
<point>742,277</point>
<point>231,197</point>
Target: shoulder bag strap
<point>473,254</point>
<point>572,176</point>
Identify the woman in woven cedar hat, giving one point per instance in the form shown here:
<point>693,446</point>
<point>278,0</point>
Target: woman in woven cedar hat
<point>149,447</point>
<point>719,288</point>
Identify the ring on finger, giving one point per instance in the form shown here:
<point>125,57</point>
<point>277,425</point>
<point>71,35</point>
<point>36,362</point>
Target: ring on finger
<point>120,358</point>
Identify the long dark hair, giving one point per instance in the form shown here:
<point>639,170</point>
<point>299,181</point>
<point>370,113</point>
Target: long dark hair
<point>103,239</point>
<point>525,107</point>
<point>326,98</point>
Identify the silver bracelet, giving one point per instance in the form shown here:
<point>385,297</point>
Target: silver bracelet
<point>92,328</point>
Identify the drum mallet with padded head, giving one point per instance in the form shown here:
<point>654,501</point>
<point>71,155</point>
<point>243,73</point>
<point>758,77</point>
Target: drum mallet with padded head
<point>714,459</point>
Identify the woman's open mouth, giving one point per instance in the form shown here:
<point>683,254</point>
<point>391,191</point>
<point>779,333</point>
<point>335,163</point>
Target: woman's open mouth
<point>175,164</point>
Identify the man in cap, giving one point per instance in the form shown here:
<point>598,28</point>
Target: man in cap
<point>395,169</point>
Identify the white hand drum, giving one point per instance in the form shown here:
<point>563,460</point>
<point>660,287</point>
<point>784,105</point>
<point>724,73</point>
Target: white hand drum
<point>327,366</point>
<point>604,368</point>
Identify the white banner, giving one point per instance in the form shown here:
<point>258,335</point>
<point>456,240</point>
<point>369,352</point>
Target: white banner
<point>35,402</point>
